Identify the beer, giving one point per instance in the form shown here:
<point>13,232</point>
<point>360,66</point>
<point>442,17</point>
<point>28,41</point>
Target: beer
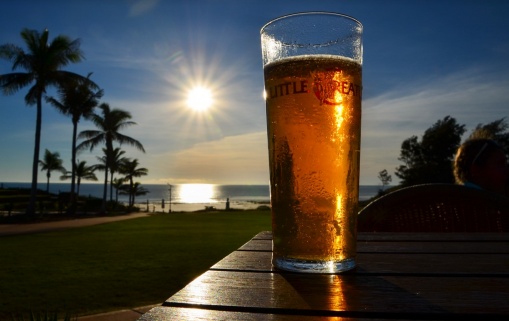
<point>313,105</point>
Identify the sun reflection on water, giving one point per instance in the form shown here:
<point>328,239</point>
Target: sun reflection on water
<point>197,193</point>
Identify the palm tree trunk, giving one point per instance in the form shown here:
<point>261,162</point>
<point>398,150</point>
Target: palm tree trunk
<point>111,186</point>
<point>33,193</point>
<point>103,205</point>
<point>48,174</point>
<point>78,189</point>
<point>131,196</point>
<point>109,148</point>
<point>73,160</point>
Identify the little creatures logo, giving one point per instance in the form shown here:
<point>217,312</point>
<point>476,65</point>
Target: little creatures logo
<point>329,86</point>
<point>288,88</point>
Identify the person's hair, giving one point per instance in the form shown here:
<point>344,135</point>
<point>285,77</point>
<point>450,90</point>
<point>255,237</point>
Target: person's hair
<point>472,152</point>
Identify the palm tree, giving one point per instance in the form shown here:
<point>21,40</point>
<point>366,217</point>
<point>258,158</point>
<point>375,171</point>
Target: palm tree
<point>102,167</point>
<point>81,171</point>
<point>51,162</point>
<point>130,169</point>
<point>135,190</point>
<point>109,125</point>
<point>115,163</point>
<point>43,63</point>
<point>76,101</point>
<point>117,184</point>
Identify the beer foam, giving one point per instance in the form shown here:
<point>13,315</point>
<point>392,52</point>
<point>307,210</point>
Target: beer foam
<point>340,59</point>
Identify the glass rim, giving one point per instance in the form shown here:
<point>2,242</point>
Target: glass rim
<point>311,13</point>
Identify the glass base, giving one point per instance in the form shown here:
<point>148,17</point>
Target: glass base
<point>308,266</point>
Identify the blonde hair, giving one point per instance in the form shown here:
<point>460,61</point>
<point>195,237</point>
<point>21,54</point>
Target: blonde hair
<point>472,152</point>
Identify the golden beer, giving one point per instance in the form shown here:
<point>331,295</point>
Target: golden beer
<point>313,105</point>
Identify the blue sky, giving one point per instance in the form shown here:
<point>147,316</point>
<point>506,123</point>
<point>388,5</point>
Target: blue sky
<point>423,60</point>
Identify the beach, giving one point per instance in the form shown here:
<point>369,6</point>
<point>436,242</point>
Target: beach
<point>188,197</point>
<point>193,207</point>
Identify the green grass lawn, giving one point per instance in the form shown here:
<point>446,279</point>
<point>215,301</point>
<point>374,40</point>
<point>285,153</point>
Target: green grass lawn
<point>117,265</point>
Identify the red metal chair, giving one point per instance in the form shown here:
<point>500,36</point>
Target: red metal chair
<point>436,208</point>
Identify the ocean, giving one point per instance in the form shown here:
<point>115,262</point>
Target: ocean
<point>188,196</point>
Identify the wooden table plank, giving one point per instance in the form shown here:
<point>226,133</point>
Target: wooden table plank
<point>342,295</point>
<point>405,247</point>
<point>412,237</point>
<point>265,235</point>
<point>460,295</point>
<point>433,237</point>
<point>369,263</point>
<point>433,247</point>
<point>257,245</point>
<point>192,314</point>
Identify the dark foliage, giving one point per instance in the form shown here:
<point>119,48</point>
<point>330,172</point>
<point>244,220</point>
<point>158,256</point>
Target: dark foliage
<point>430,160</point>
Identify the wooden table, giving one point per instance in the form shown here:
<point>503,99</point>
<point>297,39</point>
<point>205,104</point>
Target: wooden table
<point>420,276</point>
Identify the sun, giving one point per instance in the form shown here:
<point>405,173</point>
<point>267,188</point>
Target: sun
<point>199,98</point>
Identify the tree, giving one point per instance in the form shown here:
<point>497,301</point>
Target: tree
<point>109,124</point>
<point>130,169</point>
<point>117,184</point>
<point>430,160</point>
<point>76,100</point>
<point>115,164</point>
<point>81,171</point>
<point>135,190</point>
<point>496,130</point>
<point>43,63</point>
<point>51,162</point>
<point>103,167</point>
<point>385,178</point>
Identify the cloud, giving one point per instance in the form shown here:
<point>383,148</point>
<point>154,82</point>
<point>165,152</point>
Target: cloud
<point>241,159</point>
<point>472,96</point>
<point>142,6</point>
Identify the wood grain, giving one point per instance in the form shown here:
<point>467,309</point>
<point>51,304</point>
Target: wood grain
<point>321,293</point>
<point>196,314</point>
<point>372,263</point>
<point>433,237</point>
<point>406,247</point>
<point>412,237</point>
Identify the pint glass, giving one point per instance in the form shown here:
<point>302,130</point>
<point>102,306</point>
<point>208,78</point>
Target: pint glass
<point>313,87</point>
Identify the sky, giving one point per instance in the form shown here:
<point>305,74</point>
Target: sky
<point>423,60</point>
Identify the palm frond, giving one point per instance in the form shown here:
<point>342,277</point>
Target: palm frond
<point>88,134</point>
<point>9,51</point>
<point>122,139</point>
<point>12,83</point>
<point>98,121</point>
<point>66,176</point>
<point>32,95</point>
<point>31,39</point>
<point>58,105</point>
<point>92,142</point>
<point>125,124</point>
<point>51,162</point>
<point>76,99</point>
<point>70,50</point>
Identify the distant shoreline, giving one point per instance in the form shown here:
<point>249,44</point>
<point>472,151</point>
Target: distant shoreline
<point>245,196</point>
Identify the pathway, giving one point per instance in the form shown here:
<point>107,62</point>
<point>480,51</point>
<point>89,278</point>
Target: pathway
<point>16,229</point>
